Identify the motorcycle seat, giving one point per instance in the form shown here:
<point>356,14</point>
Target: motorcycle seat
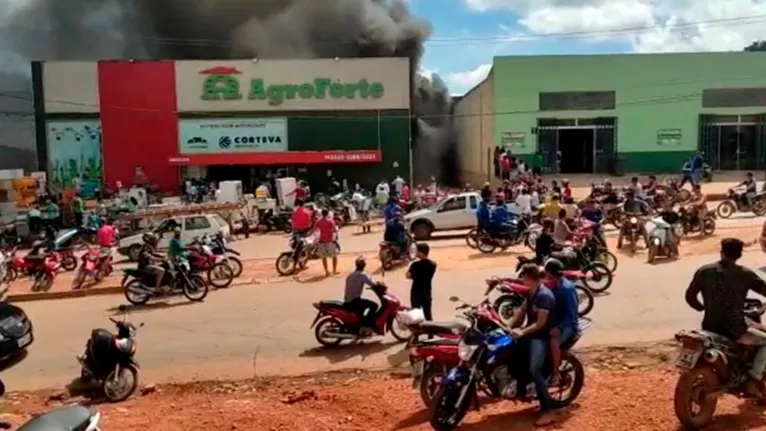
<point>331,303</point>
<point>73,417</point>
<point>439,342</point>
<point>440,327</point>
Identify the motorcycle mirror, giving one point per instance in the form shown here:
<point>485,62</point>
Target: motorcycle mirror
<point>454,299</point>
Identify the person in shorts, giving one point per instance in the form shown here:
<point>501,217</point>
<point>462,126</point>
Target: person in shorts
<point>326,247</point>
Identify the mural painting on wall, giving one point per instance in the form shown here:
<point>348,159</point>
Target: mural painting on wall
<point>74,155</point>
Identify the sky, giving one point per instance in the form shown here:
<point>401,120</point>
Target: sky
<point>468,33</point>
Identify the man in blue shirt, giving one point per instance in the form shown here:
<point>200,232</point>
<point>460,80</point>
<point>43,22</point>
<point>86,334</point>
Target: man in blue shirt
<point>500,217</point>
<point>594,215</point>
<point>541,307</point>
<point>389,216</point>
<point>483,214</point>
<point>565,316</point>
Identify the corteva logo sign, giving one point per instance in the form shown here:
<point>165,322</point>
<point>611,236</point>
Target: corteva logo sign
<point>223,83</point>
<point>364,84</point>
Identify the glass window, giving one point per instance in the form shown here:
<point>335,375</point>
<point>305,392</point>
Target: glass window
<point>197,223</point>
<point>454,204</point>
<point>474,202</point>
<point>577,100</point>
<point>733,97</point>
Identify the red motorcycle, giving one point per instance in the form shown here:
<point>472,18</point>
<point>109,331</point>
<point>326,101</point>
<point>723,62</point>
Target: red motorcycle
<point>68,259</point>
<point>335,323</point>
<point>42,268</point>
<point>431,360</point>
<point>202,259</point>
<point>93,265</point>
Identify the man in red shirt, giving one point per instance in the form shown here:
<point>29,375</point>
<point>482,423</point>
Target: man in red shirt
<point>106,234</point>
<point>300,192</point>
<point>406,195</point>
<point>301,219</point>
<point>505,166</point>
<point>326,246</point>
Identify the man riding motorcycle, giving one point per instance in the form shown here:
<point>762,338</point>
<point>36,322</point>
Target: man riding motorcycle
<point>500,218</point>
<point>150,260</point>
<point>751,188</point>
<point>594,215</point>
<point>564,327</point>
<point>724,285</point>
<point>352,297</point>
<point>671,217</point>
<point>698,206</point>
<point>633,206</point>
<point>107,235</point>
<point>483,214</point>
<point>396,234</point>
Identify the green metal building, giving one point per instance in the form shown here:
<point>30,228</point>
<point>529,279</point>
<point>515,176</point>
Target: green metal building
<point>617,113</point>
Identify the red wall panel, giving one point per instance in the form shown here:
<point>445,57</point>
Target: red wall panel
<point>139,123</point>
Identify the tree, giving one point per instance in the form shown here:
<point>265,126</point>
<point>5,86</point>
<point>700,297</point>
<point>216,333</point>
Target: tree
<point>758,45</point>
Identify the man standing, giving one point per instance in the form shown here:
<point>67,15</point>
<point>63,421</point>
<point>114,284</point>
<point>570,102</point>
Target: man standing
<point>78,209</point>
<point>421,273</point>
<point>326,244</point>
<point>398,185</point>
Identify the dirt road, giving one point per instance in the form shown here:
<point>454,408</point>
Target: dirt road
<point>263,329</point>
<point>637,397</point>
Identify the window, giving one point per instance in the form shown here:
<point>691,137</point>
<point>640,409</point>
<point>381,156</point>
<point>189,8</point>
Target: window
<point>197,223</point>
<point>454,204</point>
<point>474,202</point>
<point>167,226</point>
<point>220,220</point>
<point>733,97</point>
<point>577,100</point>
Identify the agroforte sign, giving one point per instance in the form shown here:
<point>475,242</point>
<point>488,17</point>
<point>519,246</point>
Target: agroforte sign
<point>224,83</point>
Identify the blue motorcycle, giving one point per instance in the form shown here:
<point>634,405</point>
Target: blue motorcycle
<point>496,365</point>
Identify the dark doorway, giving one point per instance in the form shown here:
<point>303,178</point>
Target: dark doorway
<point>733,142</point>
<point>576,150</point>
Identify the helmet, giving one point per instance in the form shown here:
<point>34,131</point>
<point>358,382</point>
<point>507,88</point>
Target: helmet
<point>554,267</point>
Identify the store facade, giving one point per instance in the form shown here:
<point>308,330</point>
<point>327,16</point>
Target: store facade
<point>624,113</point>
<point>229,119</point>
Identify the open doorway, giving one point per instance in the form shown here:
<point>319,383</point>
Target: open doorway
<point>576,150</point>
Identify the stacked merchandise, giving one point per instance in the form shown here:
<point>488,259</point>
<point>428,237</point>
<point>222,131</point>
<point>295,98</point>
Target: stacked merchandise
<point>11,202</point>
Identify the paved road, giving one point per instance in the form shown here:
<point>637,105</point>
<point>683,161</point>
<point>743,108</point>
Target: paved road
<point>264,329</point>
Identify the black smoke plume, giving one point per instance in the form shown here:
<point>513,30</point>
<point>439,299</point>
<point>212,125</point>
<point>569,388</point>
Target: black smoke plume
<point>211,29</point>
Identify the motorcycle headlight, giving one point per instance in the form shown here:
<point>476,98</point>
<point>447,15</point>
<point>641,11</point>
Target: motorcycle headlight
<point>465,351</point>
<point>633,220</point>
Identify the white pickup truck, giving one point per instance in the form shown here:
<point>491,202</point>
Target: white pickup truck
<point>453,212</point>
<point>191,226</point>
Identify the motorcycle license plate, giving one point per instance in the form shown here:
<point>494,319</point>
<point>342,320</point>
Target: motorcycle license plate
<point>23,341</point>
<point>687,358</point>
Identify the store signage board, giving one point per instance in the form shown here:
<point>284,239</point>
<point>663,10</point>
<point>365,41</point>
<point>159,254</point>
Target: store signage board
<point>232,135</point>
<point>669,136</point>
<point>278,158</point>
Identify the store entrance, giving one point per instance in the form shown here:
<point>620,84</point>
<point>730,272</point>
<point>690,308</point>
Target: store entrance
<point>577,145</point>
<point>251,176</point>
<point>735,142</point>
<point>576,150</point>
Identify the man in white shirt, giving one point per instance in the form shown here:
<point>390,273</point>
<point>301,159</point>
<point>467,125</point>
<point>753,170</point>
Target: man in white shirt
<point>382,192</point>
<point>524,202</point>
<point>398,185</point>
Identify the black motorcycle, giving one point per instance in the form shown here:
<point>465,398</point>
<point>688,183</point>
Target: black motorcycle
<point>738,202</point>
<point>109,360</point>
<point>518,232</point>
<point>271,221</point>
<point>691,222</point>
<point>140,287</point>
<point>389,253</point>
<point>74,417</point>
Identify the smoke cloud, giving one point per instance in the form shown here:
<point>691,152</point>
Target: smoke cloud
<point>211,29</point>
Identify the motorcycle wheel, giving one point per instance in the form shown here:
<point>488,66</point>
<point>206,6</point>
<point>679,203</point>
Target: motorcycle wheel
<point>726,209</point>
<point>285,264</point>
<point>325,325</point>
<point>135,293</point>
<point>42,283</point>
<point>220,275</point>
<point>235,265</point>
<point>586,300</point>
<point>79,279</point>
<point>11,275</point>
<point>692,410</point>
<point>607,258</point>
<point>445,415</point>
<point>572,378</point>
<point>69,263</point>
<point>196,289</point>
<point>386,259</point>
<point>287,228</point>
<point>470,238</point>
<point>485,244</point>
<point>531,241</point>
<point>430,382</point>
<point>400,331</point>
<point>117,388</point>
<point>600,277</point>
<point>709,227</point>
<point>651,253</point>
<point>508,308</point>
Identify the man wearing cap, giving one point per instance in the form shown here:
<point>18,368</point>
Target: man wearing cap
<point>566,315</point>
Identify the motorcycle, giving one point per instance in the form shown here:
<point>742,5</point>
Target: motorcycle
<point>335,323</point>
<point>710,365</point>
<point>202,259</point>
<point>659,232</point>
<point>596,276</point>
<point>497,365</point>
<point>738,203</point>
<point>271,221</point>
<point>219,247</point>
<point>632,229</point>
<point>389,253</point>
<point>93,265</point>
<point>33,266</point>
<point>109,359</point>
<point>690,222</point>
<point>519,232</point>
<point>73,417</point>
<point>513,295</point>
<point>178,278</point>
<point>302,249</point>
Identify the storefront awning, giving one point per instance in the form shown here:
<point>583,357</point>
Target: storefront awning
<point>278,158</point>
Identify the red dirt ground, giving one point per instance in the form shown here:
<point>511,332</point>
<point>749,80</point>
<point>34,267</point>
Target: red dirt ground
<point>636,400</point>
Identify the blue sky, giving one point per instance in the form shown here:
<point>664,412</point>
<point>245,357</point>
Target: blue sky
<point>468,33</point>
